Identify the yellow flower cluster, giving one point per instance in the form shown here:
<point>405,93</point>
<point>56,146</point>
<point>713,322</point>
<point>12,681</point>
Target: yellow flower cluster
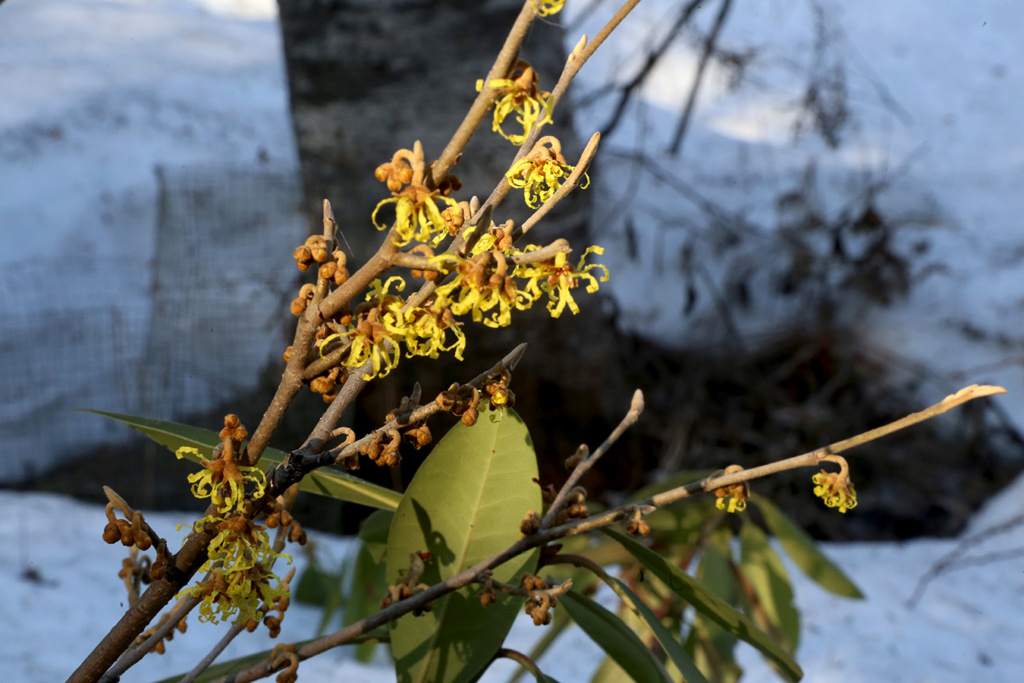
<point>558,277</point>
<point>520,96</point>
<point>416,215</point>
<point>735,503</point>
<point>238,580</point>
<point>836,490</point>
<point>381,328</point>
<point>539,179</point>
<point>222,480</point>
<point>545,8</point>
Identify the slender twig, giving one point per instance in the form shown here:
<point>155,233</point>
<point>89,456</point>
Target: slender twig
<point>568,186</point>
<point>653,57</point>
<point>132,656</point>
<point>577,527</point>
<point>691,100</point>
<point>417,262</point>
<point>635,408</point>
<point>956,556</point>
<point>212,655</point>
<point>485,100</point>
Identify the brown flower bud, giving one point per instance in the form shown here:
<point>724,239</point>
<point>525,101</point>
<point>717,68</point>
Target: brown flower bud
<point>111,533</point>
<point>142,540</point>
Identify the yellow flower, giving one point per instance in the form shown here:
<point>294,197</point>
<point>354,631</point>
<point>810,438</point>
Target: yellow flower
<point>836,490</point>
<point>480,286</point>
<point>239,581</point>
<point>416,215</point>
<point>221,480</point>
<point>736,503</point>
<point>545,8</point>
<point>238,594</point>
<point>521,96</point>
<point>539,179</point>
<point>428,332</point>
<point>557,277</point>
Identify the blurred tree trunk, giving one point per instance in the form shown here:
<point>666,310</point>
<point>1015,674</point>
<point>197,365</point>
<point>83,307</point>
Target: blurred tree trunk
<point>369,77</point>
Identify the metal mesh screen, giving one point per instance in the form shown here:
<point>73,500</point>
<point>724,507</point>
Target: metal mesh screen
<point>192,330</point>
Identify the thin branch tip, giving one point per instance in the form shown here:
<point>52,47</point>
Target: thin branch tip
<point>975,391</point>
<point>637,404</point>
<point>513,358</point>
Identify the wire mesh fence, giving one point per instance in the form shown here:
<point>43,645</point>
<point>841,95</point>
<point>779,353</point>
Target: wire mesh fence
<point>177,336</point>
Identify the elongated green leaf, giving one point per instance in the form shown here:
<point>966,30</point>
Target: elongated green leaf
<point>464,505</point>
<point>713,648</point>
<point>770,582</point>
<point>374,533</point>
<point>615,638</point>
<point>610,672</point>
<point>804,552</point>
<point>324,482</point>
<point>672,647</point>
<point>709,604</point>
<point>367,587</point>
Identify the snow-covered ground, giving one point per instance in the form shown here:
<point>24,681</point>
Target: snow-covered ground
<point>930,92</point>
<point>965,628</point>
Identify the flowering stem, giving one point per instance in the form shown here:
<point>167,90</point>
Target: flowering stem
<point>576,527</point>
<point>568,186</point>
<point>635,408</point>
<point>305,460</point>
<point>485,99</point>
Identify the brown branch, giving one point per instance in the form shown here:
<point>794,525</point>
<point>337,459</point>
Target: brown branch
<point>485,100</point>
<point>568,186</point>
<point>302,461</point>
<point>184,565</point>
<point>635,408</point>
<point>577,527</point>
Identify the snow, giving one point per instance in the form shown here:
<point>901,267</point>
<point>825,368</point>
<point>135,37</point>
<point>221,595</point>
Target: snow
<point>932,92</point>
<point>96,93</point>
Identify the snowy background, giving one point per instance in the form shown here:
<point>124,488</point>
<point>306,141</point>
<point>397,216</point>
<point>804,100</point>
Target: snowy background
<point>100,100</point>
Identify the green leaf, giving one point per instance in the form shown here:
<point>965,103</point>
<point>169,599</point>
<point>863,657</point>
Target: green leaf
<point>464,505</point>
<point>804,552</point>
<point>610,672</point>
<point>368,586</point>
<point>770,582</point>
<point>615,638</point>
<point>374,533</point>
<point>314,585</point>
<point>713,647</point>
<point>324,482</point>
<point>709,604</point>
<point>672,647</point>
